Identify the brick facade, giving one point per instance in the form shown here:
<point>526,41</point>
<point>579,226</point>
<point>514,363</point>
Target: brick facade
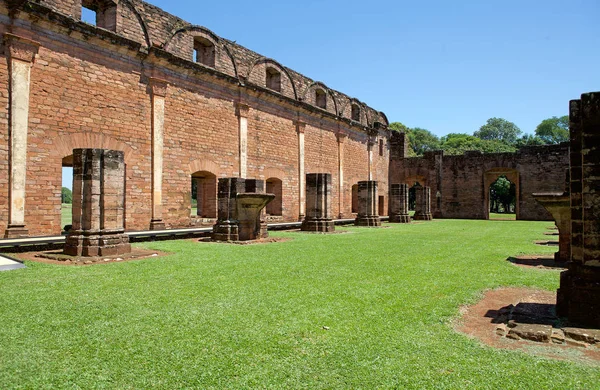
<point>92,87</point>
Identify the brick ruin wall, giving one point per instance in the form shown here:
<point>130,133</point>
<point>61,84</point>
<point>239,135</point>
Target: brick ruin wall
<point>90,88</point>
<point>460,184</point>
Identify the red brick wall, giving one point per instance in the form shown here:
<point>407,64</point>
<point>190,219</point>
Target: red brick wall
<point>461,180</point>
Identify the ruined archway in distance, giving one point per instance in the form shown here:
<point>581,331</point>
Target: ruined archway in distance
<point>502,199</point>
<point>501,176</point>
<point>204,195</point>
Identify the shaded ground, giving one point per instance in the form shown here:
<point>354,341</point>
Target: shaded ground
<point>483,321</point>
<point>538,261</point>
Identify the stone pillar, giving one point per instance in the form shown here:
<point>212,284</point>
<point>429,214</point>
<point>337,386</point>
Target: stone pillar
<point>300,127</point>
<point>578,297</point>
<point>398,203</point>
<point>422,204</point>
<point>370,148</point>
<point>318,203</point>
<point>259,187</point>
<point>341,137</point>
<point>242,112</point>
<point>98,204</point>
<point>21,53</point>
<point>367,204</point>
<point>559,205</point>
<point>159,92</point>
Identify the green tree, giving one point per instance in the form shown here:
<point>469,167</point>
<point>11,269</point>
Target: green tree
<point>398,126</point>
<point>529,140</point>
<point>502,193</point>
<point>498,129</point>
<point>454,143</point>
<point>554,130</point>
<point>66,196</point>
<point>422,140</point>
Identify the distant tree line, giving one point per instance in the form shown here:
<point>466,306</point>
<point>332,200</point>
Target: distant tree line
<point>495,136</point>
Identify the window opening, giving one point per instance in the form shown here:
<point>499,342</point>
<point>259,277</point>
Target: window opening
<point>321,98</point>
<point>355,113</point>
<point>204,52</point>
<point>273,79</point>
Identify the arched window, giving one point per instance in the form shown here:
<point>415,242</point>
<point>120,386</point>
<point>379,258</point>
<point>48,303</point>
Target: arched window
<point>355,113</point>
<point>100,13</point>
<point>204,194</point>
<point>321,98</point>
<point>273,78</point>
<point>275,207</point>
<point>204,52</point>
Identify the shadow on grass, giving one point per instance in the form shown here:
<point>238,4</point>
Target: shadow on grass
<point>545,261</point>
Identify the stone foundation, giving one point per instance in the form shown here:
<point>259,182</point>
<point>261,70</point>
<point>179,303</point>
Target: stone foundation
<point>579,293</point>
<point>367,204</point>
<point>98,204</point>
<point>422,204</point>
<point>399,203</point>
<point>318,204</point>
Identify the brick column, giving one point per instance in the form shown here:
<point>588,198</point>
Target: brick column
<point>370,148</point>
<point>159,92</point>
<point>367,204</point>
<point>21,53</point>
<point>242,113</point>
<point>318,203</point>
<point>300,127</point>
<point>341,137</point>
<point>98,204</point>
<point>398,202</point>
<point>578,297</point>
<point>422,204</point>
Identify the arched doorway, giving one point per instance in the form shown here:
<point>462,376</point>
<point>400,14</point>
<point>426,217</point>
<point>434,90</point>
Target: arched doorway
<point>204,195</point>
<point>66,194</point>
<point>355,198</point>
<point>501,189</point>
<point>275,207</point>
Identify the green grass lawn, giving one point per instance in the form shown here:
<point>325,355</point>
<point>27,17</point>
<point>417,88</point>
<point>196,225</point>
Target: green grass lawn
<point>509,217</point>
<point>368,309</point>
<point>66,217</point>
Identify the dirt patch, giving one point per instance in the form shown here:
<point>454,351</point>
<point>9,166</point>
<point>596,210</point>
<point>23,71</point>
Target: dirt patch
<point>538,261</point>
<point>268,240</point>
<point>485,321</point>
<point>324,233</point>
<point>57,257</point>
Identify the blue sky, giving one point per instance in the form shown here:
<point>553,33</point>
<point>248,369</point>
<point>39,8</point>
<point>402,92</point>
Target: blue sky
<point>446,66</point>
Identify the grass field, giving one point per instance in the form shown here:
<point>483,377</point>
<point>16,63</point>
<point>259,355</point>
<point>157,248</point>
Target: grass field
<point>502,216</point>
<point>367,309</point>
<point>66,215</point>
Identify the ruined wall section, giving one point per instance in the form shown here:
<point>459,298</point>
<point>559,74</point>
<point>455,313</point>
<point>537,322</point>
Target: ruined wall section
<point>4,139</point>
<point>460,184</point>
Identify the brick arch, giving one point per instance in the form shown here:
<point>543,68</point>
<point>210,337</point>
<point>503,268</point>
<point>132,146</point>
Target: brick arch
<point>141,21</point>
<point>204,165</point>
<point>318,84</point>
<point>64,145</point>
<point>411,180</point>
<point>348,104</point>
<point>490,176</point>
<point>274,64</point>
<point>274,172</point>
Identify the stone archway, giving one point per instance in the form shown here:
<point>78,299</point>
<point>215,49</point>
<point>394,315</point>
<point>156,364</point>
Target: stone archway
<point>490,177</point>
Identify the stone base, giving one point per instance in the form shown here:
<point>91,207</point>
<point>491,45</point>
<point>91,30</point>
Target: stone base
<point>264,232</point>
<point>93,244</point>
<point>367,221</point>
<point>16,231</point>
<point>157,224</point>
<point>400,218</point>
<point>226,231</point>
<point>318,225</point>
<point>423,217</point>
<point>578,298</point>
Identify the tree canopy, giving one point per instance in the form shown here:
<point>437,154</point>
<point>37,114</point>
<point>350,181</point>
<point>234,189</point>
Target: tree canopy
<point>498,129</point>
<point>66,195</point>
<point>554,130</point>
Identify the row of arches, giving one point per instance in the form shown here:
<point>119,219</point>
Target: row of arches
<point>200,45</point>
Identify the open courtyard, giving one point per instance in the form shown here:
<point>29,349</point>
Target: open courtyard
<point>365,308</point>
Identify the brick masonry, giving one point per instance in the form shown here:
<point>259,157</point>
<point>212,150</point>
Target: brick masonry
<point>460,184</point>
<point>92,87</point>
